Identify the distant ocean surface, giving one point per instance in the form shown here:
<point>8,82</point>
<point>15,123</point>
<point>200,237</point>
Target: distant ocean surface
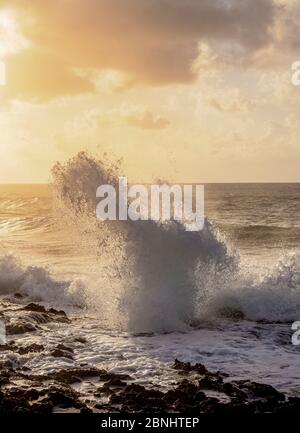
<point>261,220</point>
<point>134,299</point>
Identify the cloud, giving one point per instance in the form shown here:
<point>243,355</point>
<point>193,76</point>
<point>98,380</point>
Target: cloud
<point>283,48</point>
<point>32,74</point>
<point>153,41</point>
<point>108,80</point>
<point>145,119</point>
<point>230,100</point>
<point>11,40</point>
<point>134,116</point>
<point>138,117</point>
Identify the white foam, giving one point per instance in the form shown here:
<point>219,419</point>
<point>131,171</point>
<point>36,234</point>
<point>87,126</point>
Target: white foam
<point>37,283</point>
<point>146,276</point>
<point>149,275</point>
<point>274,297</point>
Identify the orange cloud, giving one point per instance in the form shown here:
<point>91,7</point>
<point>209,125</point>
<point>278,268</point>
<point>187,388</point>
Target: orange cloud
<point>33,74</point>
<point>153,41</point>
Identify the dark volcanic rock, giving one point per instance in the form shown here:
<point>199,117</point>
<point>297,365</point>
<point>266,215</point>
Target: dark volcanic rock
<point>62,351</point>
<point>73,375</point>
<point>107,376</point>
<point>114,382</point>
<point>23,393</point>
<point>58,353</point>
<point>57,312</point>
<point>44,316</point>
<point>136,398</point>
<point>259,390</point>
<point>81,340</point>
<point>210,405</point>
<point>28,318</point>
<point>4,375</point>
<point>213,381</point>
<point>232,390</point>
<point>35,307</point>
<point>64,348</point>
<point>187,367</point>
<point>38,400</point>
<point>20,327</point>
<point>22,350</point>
<point>32,348</point>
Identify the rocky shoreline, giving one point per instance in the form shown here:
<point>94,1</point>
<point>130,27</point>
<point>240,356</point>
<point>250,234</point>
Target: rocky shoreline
<point>197,390</point>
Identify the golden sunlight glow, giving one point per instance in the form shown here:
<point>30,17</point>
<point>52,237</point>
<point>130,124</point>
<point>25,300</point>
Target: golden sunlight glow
<point>174,91</point>
<point>11,40</point>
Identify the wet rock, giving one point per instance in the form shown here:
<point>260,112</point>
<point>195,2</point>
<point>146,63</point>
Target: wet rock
<point>5,375</point>
<point>104,390</point>
<point>81,340</point>
<point>25,393</point>
<point>62,351</point>
<point>64,348</point>
<point>233,391</point>
<point>63,397</point>
<point>86,410</point>
<point>38,401</point>
<point>73,375</point>
<point>184,366</point>
<point>187,367</point>
<point>28,318</point>
<point>291,407</point>
<point>235,408</point>
<point>186,394</point>
<point>22,350</point>
<point>10,404</point>
<point>107,376</point>
<point>33,396</point>
<point>187,387</point>
<point>175,396</point>
<point>47,317</point>
<point>35,307</point>
<point>57,312</point>
<point>43,316</point>
<point>38,318</point>
<point>136,398</point>
<point>200,396</point>
<point>5,347</point>
<point>213,382</point>
<point>58,353</point>
<point>259,390</point>
<point>114,382</point>
<point>210,405</point>
<point>19,327</point>
<point>31,348</point>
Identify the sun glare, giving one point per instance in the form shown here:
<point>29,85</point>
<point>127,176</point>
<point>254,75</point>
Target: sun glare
<point>11,40</point>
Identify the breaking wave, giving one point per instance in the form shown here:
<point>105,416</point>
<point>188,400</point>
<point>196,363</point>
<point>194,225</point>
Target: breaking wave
<point>159,277</point>
<point>37,283</point>
<point>146,276</point>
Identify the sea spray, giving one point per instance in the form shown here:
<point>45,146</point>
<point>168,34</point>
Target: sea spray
<point>274,297</point>
<point>149,272</point>
<point>37,283</point>
<point>141,276</point>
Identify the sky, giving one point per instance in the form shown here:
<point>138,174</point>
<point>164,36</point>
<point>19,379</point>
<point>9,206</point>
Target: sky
<point>180,90</point>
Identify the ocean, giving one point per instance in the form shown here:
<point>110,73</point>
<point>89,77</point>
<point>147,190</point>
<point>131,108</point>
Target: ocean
<point>140,295</point>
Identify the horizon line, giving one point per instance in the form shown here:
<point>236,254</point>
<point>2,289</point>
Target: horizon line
<point>177,182</point>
